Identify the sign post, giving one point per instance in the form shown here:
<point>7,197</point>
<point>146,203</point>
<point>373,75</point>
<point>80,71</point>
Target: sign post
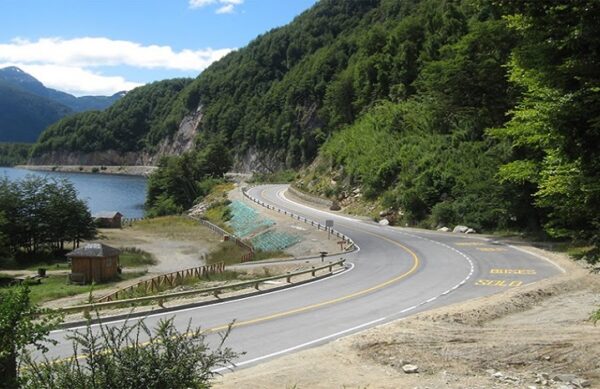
<point>329,226</point>
<point>323,254</point>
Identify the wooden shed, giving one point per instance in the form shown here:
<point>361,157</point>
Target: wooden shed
<point>94,262</point>
<point>111,219</point>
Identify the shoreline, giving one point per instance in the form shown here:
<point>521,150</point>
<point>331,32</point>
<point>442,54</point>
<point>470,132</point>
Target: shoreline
<point>123,170</point>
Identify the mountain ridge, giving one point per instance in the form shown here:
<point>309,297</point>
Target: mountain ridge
<point>27,107</point>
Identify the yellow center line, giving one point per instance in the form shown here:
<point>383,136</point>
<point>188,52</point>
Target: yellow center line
<point>415,266</point>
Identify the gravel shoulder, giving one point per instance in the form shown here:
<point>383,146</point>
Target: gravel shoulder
<point>538,336</point>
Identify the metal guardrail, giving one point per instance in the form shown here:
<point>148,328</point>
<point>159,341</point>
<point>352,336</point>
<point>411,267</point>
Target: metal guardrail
<point>214,290</point>
<point>350,243</point>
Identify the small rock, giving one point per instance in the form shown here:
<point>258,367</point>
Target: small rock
<point>498,375</point>
<point>410,369</point>
<point>470,231</point>
<point>564,378</point>
<point>490,371</point>
<point>384,222</point>
<point>544,376</point>
<point>443,229</point>
<point>582,383</point>
<point>532,387</point>
<point>460,229</point>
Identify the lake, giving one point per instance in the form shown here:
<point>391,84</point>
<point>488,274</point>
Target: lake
<point>102,192</point>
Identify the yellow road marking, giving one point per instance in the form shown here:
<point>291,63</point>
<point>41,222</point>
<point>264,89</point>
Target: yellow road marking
<point>513,271</point>
<point>414,267</point>
<point>491,249</point>
<point>469,244</point>
<point>500,283</point>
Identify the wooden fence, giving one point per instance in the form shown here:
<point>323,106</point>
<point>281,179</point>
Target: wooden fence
<point>229,236</point>
<point>171,280</point>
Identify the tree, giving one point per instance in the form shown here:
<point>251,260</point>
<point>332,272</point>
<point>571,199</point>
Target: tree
<point>20,327</point>
<point>178,182</point>
<point>555,128</point>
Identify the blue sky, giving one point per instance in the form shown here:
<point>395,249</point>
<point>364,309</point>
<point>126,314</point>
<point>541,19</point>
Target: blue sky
<point>104,46</point>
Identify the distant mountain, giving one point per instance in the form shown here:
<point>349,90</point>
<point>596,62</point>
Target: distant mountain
<point>27,107</point>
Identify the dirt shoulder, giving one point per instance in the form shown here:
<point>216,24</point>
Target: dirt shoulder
<point>535,336</point>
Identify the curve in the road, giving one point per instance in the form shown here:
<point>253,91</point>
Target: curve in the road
<point>397,272</point>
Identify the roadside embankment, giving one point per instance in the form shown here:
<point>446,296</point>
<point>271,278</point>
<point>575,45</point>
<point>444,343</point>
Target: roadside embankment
<point>144,171</point>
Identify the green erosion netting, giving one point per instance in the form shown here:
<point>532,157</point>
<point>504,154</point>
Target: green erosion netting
<point>273,241</point>
<point>246,221</point>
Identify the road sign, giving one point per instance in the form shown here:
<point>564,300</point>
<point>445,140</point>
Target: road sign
<point>329,223</point>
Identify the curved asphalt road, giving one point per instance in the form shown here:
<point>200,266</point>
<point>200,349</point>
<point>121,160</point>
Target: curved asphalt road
<point>396,272</point>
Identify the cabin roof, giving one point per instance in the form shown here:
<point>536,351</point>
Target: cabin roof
<point>106,215</point>
<point>94,250</point>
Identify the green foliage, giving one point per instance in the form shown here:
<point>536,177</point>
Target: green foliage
<point>20,328</point>
<point>278,177</point>
<point>181,180</point>
<point>134,257</point>
<point>595,317</point>
<point>554,128</point>
<point>42,213</point>
<point>138,121</point>
<point>12,154</point>
<point>133,356</point>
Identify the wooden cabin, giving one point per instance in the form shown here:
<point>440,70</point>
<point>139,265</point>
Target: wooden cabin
<point>94,262</point>
<point>110,219</point>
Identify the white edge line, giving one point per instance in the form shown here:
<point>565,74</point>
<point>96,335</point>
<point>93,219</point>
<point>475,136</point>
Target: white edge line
<point>294,348</point>
<point>538,256</point>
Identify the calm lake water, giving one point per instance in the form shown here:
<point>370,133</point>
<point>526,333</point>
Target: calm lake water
<point>102,192</point>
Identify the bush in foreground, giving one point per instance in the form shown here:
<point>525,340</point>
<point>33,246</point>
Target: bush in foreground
<point>132,356</point>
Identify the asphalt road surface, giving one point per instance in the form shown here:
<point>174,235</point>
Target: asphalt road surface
<point>396,272</point>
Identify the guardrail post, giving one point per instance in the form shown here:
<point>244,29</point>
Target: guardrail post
<point>313,271</point>
<point>256,286</point>
<point>289,278</point>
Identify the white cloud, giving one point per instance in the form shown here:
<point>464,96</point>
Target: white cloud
<point>74,80</point>
<point>201,3</point>
<point>93,52</point>
<point>225,6</point>
<point>73,65</point>
<point>226,9</point>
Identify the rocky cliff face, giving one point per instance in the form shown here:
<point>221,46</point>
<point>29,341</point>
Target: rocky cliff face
<point>181,141</point>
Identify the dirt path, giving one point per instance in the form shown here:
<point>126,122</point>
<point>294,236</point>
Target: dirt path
<point>535,336</point>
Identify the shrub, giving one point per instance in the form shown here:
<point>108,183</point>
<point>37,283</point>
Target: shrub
<point>132,356</point>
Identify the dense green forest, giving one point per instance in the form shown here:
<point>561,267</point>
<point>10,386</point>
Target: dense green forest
<point>38,214</point>
<point>481,112</point>
<point>138,121</point>
<point>12,154</point>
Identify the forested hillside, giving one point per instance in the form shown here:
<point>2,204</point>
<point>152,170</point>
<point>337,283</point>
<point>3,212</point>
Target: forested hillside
<point>136,122</point>
<point>481,112</point>
<point>24,115</point>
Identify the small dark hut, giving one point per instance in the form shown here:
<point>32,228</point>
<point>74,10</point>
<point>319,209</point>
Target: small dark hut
<point>94,262</point>
<point>110,219</point>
